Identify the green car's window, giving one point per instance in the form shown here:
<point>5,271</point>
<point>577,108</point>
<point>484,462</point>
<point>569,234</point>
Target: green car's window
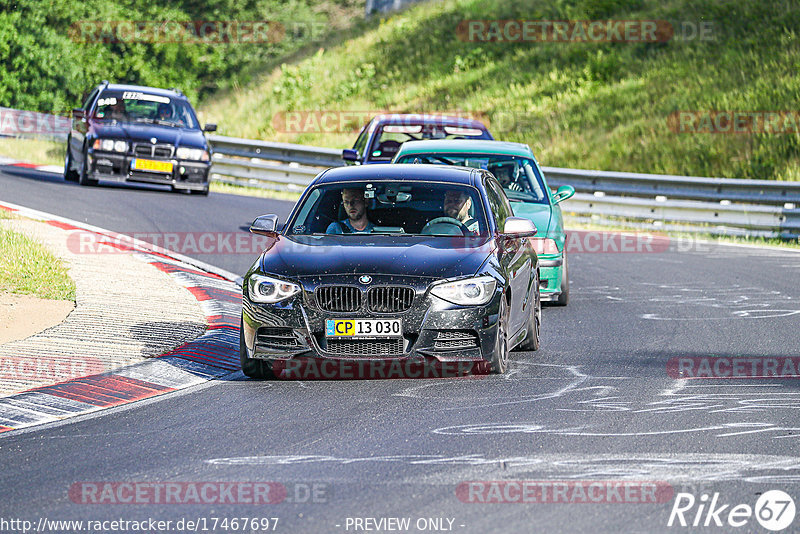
<point>518,176</point>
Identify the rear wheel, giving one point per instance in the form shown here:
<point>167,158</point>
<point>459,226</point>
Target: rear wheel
<point>500,357</point>
<point>70,174</point>
<point>252,367</point>
<point>83,176</point>
<point>563,298</point>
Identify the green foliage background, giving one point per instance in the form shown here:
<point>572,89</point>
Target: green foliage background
<point>583,105</point>
<point>45,69</point>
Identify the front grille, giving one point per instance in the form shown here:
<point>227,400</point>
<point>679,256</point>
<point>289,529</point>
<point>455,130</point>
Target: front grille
<point>143,150</point>
<point>276,338</point>
<point>455,340</point>
<point>339,298</point>
<point>162,152</point>
<point>390,299</point>
<point>365,347</point>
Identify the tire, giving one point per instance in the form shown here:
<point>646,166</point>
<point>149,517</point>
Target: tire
<point>531,341</point>
<point>70,175</point>
<point>252,367</point>
<point>202,192</point>
<point>499,361</point>
<point>83,176</point>
<point>563,298</point>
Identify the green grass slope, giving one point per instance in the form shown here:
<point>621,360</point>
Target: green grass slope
<point>584,105</point>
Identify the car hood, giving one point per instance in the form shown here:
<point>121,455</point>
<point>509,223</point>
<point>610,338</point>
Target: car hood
<point>423,256</point>
<point>143,133</point>
<point>540,214</point>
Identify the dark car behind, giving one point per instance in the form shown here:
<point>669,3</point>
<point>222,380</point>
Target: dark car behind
<point>130,133</point>
<point>380,139</point>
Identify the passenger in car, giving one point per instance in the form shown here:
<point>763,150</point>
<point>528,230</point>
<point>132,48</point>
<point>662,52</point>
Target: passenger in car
<point>355,205</point>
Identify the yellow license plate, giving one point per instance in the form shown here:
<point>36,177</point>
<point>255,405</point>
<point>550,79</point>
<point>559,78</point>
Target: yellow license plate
<point>151,165</point>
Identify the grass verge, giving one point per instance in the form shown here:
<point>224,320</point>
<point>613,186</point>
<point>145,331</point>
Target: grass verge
<point>27,267</point>
<point>38,151</point>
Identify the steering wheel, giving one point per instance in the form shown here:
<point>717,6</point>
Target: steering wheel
<point>427,229</point>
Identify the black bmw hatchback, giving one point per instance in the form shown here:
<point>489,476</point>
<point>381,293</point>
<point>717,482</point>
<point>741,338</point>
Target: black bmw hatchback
<point>391,271</point>
<point>138,134</point>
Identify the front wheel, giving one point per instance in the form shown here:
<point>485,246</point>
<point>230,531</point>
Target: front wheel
<point>252,367</point>
<point>70,175</point>
<point>83,176</point>
<point>531,341</point>
<point>500,357</point>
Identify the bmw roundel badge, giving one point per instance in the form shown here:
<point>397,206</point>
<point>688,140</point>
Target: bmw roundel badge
<point>365,279</point>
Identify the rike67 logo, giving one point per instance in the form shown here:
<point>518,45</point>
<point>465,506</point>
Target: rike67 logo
<point>774,510</point>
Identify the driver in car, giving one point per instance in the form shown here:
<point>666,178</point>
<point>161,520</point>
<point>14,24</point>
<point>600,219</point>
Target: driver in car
<point>457,204</point>
<point>116,111</point>
<point>164,112</point>
<point>355,205</point>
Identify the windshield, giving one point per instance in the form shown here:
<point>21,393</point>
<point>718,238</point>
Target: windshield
<point>398,208</point>
<point>391,136</point>
<point>518,176</point>
<point>135,106</point>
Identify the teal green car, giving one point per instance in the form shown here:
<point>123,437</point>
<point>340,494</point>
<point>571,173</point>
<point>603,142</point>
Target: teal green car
<point>516,168</point>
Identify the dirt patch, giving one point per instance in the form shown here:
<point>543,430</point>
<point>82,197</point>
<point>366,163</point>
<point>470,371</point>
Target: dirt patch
<point>22,316</point>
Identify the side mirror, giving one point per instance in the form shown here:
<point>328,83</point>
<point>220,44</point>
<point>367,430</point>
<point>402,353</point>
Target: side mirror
<point>519,227</point>
<point>77,113</point>
<point>265,225</point>
<point>563,193</point>
<point>350,154</point>
<point>210,127</point>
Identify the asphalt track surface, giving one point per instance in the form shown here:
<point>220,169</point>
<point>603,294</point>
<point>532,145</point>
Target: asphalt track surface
<point>595,403</point>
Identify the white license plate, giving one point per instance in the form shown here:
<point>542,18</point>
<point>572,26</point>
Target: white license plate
<point>363,328</point>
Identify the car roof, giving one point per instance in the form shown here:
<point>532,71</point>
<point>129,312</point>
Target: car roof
<point>412,172</point>
<point>414,119</point>
<point>143,89</point>
<point>457,146</point>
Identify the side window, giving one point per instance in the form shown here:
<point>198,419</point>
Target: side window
<point>501,208</point>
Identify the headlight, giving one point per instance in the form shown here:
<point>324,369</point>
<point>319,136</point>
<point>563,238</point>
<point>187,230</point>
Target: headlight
<point>109,145</point>
<point>468,292</point>
<point>269,290</point>
<point>196,154</point>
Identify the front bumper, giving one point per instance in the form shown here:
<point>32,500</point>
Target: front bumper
<point>299,323</point>
<point>112,166</point>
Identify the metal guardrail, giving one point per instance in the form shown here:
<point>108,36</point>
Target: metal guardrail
<point>692,204</point>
